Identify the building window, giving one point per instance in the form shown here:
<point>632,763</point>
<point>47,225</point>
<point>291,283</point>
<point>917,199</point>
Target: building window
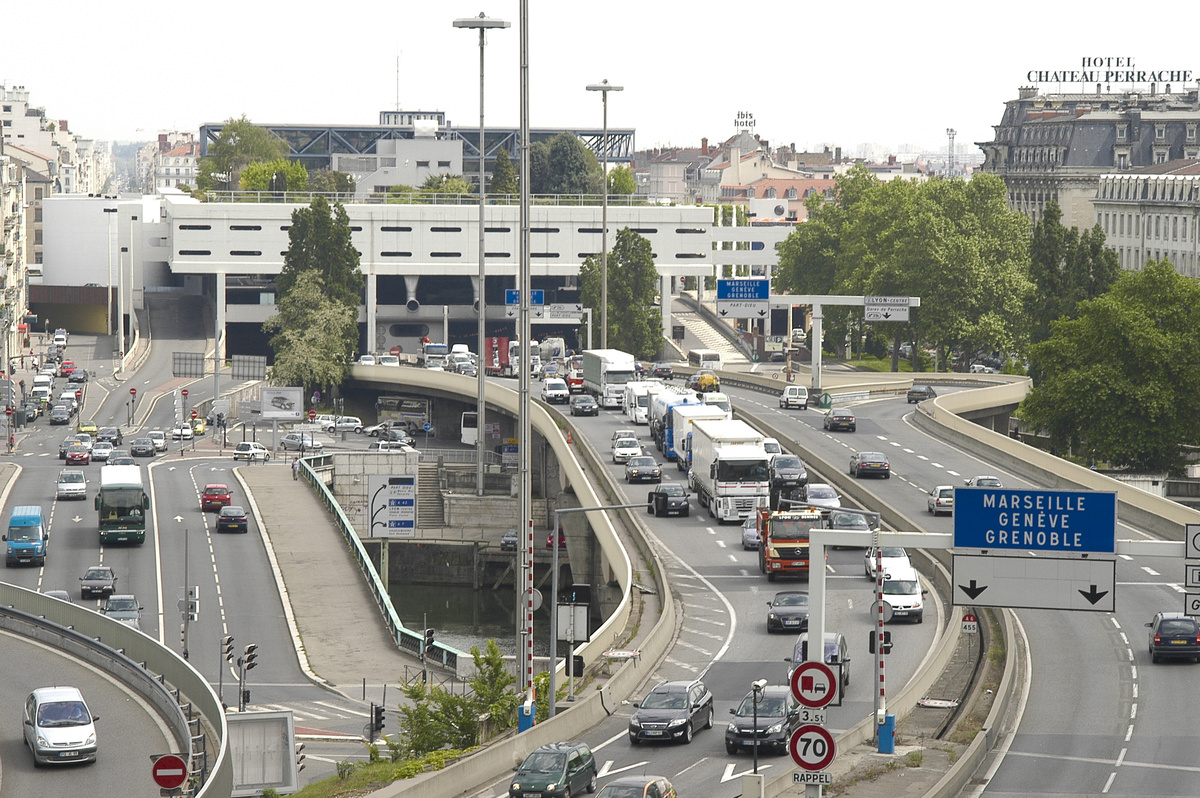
<point>443,164</point>
<point>1160,131</point>
<point>422,164</point>
<point>1160,156</point>
<point>1191,131</point>
<point>1122,132</point>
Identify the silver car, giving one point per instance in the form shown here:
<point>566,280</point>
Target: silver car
<point>72,484</point>
<point>59,727</point>
<point>300,441</point>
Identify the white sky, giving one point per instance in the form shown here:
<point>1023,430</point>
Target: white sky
<point>892,73</point>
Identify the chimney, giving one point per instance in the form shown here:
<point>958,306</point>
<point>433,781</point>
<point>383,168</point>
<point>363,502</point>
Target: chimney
<point>891,160</point>
<point>837,155</point>
<point>1026,92</point>
<point>704,146</point>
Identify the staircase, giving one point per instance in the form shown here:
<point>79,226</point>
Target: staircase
<point>431,511</point>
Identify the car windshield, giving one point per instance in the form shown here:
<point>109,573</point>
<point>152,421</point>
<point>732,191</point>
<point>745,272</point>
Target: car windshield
<point>641,462</point>
<point>24,533</point>
<point>671,490</point>
<point>216,491</point>
<point>664,701</point>
<point>872,457</point>
<point>63,713</point>
<point>849,520</point>
<point>791,600</point>
<point>821,492</point>
<point>69,477</point>
<point>95,574</point>
<point>988,482</point>
<point>232,512</point>
<point>768,707</point>
<point>121,605</point>
<point>899,587</point>
<point>623,791</point>
<point>946,493</point>
<point>1177,626</point>
<point>787,461</point>
<point>544,762</point>
<point>626,443</point>
<point>893,551</point>
<point>555,385</point>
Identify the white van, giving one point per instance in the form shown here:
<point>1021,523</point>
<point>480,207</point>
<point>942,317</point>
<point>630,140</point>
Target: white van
<point>470,428</point>
<point>43,381</point>
<point>794,396</point>
<point>720,400</point>
<point>902,589</point>
<point>772,446</point>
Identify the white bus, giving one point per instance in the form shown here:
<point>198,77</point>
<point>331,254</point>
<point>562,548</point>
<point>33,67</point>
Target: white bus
<point>705,359</point>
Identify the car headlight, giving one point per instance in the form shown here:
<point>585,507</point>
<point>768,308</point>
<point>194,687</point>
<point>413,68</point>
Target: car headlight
<point>770,616</point>
<point>551,786</point>
<point>515,786</point>
<point>776,729</point>
<point>677,722</point>
<point>732,727</point>
<point>91,738</point>
<point>634,721</point>
<point>42,742</point>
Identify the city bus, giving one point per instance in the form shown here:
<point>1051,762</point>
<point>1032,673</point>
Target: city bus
<point>705,359</point>
<point>122,504</point>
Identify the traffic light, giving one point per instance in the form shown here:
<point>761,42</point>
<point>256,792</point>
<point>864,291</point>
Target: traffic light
<point>377,718</point>
<point>227,646</point>
<point>183,634</point>
<point>249,660</point>
<point>887,642</point>
<point>300,757</point>
<point>428,642</point>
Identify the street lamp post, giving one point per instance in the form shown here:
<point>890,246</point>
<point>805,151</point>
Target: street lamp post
<point>482,24</point>
<point>604,87</point>
<point>554,598</point>
<point>108,295</point>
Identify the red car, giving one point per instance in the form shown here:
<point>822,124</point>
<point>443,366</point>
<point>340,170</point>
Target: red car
<point>562,540</point>
<point>67,368</point>
<point>215,497</point>
<point>78,454</point>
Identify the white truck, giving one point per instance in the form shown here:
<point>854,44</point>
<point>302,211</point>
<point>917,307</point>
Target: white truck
<point>637,399</point>
<point>730,470</point>
<point>605,372</point>
<point>661,403</point>
<point>679,423</point>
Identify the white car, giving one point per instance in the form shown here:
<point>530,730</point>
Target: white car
<point>940,500</point>
<point>101,450</point>
<point>624,448</point>
<point>72,484</point>
<point>160,440</point>
<point>251,450</point>
<point>366,360</point>
<point>555,391</point>
<point>182,432</point>
<point>820,494</point>
<point>894,557</point>
<point>389,360</point>
<point>984,482</point>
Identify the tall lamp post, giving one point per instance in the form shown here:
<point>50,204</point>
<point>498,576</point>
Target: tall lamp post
<point>604,87</point>
<point>108,296</point>
<point>482,24</point>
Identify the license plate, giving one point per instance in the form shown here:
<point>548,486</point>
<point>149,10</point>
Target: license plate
<point>68,754</point>
<point>1179,642</point>
<point>791,623</point>
<point>653,734</point>
<point>234,526</point>
<point>747,742</point>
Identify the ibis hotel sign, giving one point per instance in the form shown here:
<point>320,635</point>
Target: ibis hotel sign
<point>1109,69</point>
<point>1063,521</point>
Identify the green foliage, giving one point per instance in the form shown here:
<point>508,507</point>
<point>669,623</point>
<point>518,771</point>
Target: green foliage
<point>634,323</point>
<point>278,175</point>
<point>492,686</point>
<point>446,185</point>
<point>504,176</point>
<point>315,328</point>
<point>621,181</point>
<point>1067,267</point>
<point>539,167</point>
<point>563,166</point>
<point>1121,381</point>
<point>327,181</point>
<point>240,144</point>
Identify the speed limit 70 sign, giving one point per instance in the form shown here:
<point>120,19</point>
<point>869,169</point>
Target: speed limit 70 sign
<point>812,747</point>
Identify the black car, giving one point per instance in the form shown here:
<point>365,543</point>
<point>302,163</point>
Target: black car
<point>78,375</point>
<point>98,580</point>
<point>777,713</point>
<point>664,370</point>
<point>232,519</point>
<point>870,464</point>
<point>584,405</point>
<point>66,444</point>
<point>142,447</point>
<point>508,541</point>
<point>787,471</point>
<point>643,469</point>
<point>672,711</point>
<point>110,434</point>
<point>60,415</point>
<point>669,498</point>
<point>919,393</point>
<point>32,411</point>
<point>788,612</point>
<point>840,419</point>
<point>1174,635</point>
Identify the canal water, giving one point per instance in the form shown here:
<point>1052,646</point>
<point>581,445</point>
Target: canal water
<point>462,617</point>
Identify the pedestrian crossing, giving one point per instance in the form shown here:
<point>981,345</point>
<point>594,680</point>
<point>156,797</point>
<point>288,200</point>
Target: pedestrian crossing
<point>314,711</point>
<point>710,338</point>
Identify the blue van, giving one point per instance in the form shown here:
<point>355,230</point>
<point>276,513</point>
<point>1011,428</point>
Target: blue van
<point>27,536</point>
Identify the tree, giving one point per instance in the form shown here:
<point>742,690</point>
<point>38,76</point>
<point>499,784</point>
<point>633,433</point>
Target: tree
<point>621,181</point>
<point>279,175</point>
<point>446,185</point>
<point>571,168</point>
<point>1121,381</point>
<point>504,177</point>
<point>539,167</point>
<point>634,323</point>
<point>328,181</point>
<point>318,292</point>
<point>1067,267</point>
<point>240,144</point>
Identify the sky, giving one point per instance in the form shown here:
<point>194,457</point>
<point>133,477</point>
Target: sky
<point>811,74</point>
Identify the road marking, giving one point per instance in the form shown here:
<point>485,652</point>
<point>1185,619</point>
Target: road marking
<point>609,770</point>
<point>1150,571</point>
<point>610,741</point>
<point>721,543</point>
<point>684,665</point>
<point>730,775</point>
<point>922,457</point>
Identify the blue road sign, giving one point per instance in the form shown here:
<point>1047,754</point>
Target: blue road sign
<point>744,289</point>
<point>1035,520</point>
<point>512,296</point>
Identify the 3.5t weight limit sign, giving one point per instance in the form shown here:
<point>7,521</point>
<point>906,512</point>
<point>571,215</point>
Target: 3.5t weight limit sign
<point>812,747</point>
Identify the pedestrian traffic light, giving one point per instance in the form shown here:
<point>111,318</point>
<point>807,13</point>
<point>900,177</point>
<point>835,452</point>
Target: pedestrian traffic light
<point>227,646</point>
<point>377,718</point>
<point>300,757</point>
<point>428,641</point>
<point>887,642</point>
<point>249,661</point>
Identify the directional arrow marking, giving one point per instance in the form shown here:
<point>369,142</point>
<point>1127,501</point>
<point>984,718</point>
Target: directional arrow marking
<point>178,519</point>
<point>77,519</point>
<point>1093,595</point>
<point>730,775</point>
<point>973,591</point>
<point>609,770</point>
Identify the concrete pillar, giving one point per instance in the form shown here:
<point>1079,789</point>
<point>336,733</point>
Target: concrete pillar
<point>220,311</point>
<point>373,342</point>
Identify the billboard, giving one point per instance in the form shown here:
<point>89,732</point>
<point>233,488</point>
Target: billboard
<point>282,404</point>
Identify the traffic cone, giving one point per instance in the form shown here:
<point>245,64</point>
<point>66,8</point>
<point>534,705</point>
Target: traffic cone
<point>569,440</point>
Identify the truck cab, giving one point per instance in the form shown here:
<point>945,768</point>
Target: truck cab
<point>784,541</point>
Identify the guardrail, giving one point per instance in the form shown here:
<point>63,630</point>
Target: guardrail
<point>162,677</point>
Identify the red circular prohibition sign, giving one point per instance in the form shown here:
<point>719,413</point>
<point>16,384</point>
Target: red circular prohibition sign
<point>170,772</point>
<point>812,747</point>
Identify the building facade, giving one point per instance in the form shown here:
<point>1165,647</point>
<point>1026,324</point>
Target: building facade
<point>1058,146</point>
<point>1153,213</point>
